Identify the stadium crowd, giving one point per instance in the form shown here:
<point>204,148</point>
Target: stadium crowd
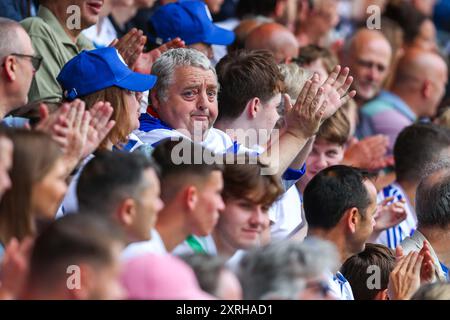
<point>225,149</point>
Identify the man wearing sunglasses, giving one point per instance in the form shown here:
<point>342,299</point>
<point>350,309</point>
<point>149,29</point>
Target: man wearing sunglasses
<point>19,63</point>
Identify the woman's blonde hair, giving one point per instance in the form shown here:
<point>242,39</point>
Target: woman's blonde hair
<point>121,115</point>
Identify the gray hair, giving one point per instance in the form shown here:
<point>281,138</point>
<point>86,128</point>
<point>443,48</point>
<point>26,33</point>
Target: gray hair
<point>433,291</point>
<point>165,66</point>
<point>295,78</point>
<point>281,270</point>
<point>9,37</point>
<point>207,269</point>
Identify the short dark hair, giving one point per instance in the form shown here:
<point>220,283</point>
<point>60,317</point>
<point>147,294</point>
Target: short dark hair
<point>110,178</point>
<point>244,75</point>
<point>191,163</point>
<point>333,191</point>
<point>416,147</point>
<point>356,270</point>
<point>71,240</point>
<point>433,200</point>
<point>242,181</point>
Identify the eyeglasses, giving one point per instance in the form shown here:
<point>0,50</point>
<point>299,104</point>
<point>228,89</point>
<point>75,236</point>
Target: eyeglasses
<point>36,60</point>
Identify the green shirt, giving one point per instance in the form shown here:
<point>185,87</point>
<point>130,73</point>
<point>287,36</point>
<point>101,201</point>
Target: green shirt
<point>52,43</point>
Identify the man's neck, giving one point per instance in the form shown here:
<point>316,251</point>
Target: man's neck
<point>228,125</point>
<point>60,12</point>
<point>439,238</point>
<point>410,190</point>
<point>240,130</point>
<point>171,227</point>
<point>224,249</point>
<point>407,98</point>
<point>360,102</point>
<point>335,236</point>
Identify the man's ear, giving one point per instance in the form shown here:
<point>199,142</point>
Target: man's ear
<point>382,295</point>
<point>253,107</point>
<point>154,100</point>
<point>352,218</point>
<point>126,213</point>
<point>427,89</point>
<point>191,197</point>
<point>10,67</point>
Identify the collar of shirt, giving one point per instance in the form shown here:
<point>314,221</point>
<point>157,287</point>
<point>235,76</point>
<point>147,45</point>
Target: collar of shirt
<point>398,104</point>
<point>340,287</point>
<point>48,16</point>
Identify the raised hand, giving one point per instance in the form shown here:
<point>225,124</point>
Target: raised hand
<point>304,118</point>
<point>99,126</point>
<point>389,214</point>
<point>145,61</point>
<point>55,124</point>
<point>130,46</point>
<point>14,268</point>
<point>78,121</point>
<point>427,272</point>
<point>368,153</point>
<point>336,90</point>
<point>404,280</point>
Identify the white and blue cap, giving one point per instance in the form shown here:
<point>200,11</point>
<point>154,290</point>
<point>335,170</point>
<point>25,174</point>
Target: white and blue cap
<point>95,70</point>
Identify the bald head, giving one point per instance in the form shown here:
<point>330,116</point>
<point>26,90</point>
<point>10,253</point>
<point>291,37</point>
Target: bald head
<point>421,79</point>
<point>275,38</point>
<point>12,38</point>
<point>242,31</point>
<point>368,54</point>
<point>418,64</point>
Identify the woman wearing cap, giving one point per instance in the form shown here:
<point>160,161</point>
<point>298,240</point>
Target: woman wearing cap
<point>102,75</point>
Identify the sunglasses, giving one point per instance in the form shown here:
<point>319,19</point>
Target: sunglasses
<point>36,60</point>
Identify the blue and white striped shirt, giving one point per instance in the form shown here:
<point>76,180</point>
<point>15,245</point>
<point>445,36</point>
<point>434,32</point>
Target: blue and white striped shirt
<point>393,236</point>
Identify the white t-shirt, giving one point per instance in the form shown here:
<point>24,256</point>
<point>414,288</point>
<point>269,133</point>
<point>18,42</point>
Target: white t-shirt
<point>154,245</point>
<point>393,236</point>
<point>106,35</point>
<point>286,215</point>
<point>340,287</point>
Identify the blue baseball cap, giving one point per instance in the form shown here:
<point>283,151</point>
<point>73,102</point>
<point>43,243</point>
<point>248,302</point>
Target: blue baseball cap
<point>190,21</point>
<point>98,69</point>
